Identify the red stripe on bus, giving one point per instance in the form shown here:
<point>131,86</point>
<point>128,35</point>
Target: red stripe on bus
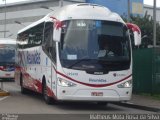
<point>93,85</point>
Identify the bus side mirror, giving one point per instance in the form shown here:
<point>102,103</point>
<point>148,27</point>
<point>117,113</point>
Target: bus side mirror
<point>137,38</point>
<point>136,32</point>
<point>57,30</point>
<point>57,34</point>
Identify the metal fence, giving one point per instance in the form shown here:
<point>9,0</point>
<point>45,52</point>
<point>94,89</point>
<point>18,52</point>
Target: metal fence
<point>146,70</point>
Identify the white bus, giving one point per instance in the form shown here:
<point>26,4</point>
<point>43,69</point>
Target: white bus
<point>7,59</point>
<point>63,55</point>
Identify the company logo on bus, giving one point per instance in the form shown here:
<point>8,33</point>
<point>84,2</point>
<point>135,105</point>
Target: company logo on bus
<point>72,74</point>
<point>33,58</point>
<point>98,73</point>
<point>118,75</point>
<point>97,80</point>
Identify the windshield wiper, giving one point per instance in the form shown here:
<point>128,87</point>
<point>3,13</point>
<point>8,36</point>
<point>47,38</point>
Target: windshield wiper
<point>114,62</point>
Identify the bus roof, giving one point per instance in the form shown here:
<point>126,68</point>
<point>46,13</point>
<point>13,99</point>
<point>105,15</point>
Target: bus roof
<point>79,11</point>
<point>7,41</point>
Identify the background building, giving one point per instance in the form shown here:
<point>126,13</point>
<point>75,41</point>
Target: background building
<point>21,14</point>
<point>149,10</point>
<point>121,6</point>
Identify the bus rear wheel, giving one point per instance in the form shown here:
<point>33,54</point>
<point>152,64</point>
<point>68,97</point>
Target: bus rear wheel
<point>47,99</point>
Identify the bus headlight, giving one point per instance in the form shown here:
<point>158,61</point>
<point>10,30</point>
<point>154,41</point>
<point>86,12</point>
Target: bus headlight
<point>65,83</point>
<point>126,84</point>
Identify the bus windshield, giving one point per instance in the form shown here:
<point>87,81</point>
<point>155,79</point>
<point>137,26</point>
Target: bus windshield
<point>7,54</point>
<point>94,45</point>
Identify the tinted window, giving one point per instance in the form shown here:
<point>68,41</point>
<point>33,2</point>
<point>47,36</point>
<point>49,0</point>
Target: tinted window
<point>95,44</point>
<point>32,37</point>
<point>49,44</point>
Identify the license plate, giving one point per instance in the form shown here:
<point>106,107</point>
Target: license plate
<point>96,93</point>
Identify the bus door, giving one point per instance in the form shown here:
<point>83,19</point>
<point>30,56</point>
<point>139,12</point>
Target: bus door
<point>49,47</point>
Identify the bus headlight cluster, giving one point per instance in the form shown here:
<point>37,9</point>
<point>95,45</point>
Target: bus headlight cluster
<point>126,84</point>
<point>65,83</point>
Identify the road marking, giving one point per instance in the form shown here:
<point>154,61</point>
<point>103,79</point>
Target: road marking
<point>3,98</point>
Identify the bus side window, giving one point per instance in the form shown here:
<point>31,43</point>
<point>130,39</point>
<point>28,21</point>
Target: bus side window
<point>22,40</point>
<point>48,43</point>
<point>35,35</point>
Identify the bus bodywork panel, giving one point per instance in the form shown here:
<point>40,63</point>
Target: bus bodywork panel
<point>87,84</point>
<point>91,87</point>
<point>85,11</point>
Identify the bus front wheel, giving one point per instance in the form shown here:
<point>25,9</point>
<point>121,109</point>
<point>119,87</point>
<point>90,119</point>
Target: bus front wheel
<point>47,99</point>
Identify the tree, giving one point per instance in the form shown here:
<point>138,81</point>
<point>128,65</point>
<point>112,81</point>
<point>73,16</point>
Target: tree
<point>146,25</point>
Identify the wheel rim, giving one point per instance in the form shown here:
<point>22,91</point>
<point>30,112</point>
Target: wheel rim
<point>45,92</point>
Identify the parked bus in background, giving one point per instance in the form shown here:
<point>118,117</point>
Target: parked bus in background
<point>63,55</point>
<point>7,59</point>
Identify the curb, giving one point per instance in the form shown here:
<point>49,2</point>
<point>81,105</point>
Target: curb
<point>4,93</point>
<point>132,105</point>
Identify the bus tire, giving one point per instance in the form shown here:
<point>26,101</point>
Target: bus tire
<point>46,98</point>
<point>23,90</point>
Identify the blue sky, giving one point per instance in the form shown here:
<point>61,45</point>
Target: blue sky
<point>148,2</point>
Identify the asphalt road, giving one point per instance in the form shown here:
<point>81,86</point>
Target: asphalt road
<point>33,103</point>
